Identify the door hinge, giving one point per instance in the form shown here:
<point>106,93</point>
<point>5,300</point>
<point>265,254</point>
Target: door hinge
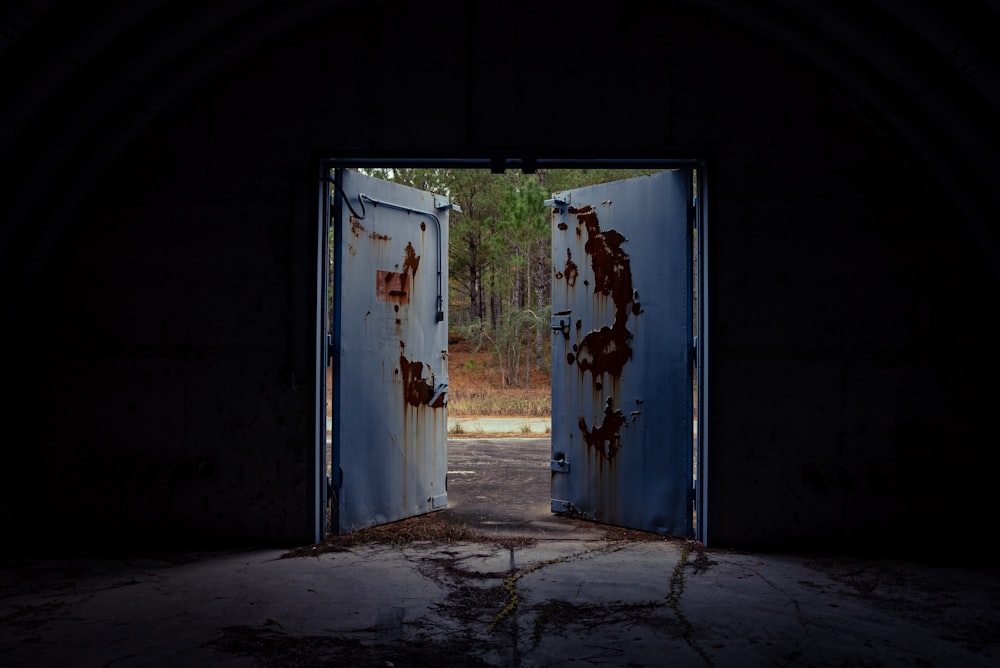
<point>567,507</point>
<point>331,351</point>
<point>559,463</point>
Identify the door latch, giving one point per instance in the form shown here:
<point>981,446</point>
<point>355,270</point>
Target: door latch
<point>559,463</point>
<point>440,397</point>
<point>560,323</point>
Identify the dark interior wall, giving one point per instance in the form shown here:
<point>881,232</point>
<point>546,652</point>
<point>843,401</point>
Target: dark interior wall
<point>850,354</point>
<point>166,359</point>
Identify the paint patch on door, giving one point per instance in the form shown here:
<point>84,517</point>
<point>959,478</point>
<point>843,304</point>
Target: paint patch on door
<point>392,286</point>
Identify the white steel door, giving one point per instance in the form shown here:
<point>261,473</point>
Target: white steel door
<point>622,353</point>
<point>390,352</point>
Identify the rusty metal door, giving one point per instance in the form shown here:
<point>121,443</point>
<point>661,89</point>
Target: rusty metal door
<point>622,441</point>
<point>390,352</point>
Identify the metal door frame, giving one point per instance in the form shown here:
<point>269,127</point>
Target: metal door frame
<point>704,177</point>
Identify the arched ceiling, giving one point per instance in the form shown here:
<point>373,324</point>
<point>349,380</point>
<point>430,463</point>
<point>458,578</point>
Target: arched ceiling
<point>83,79</point>
<point>930,72</point>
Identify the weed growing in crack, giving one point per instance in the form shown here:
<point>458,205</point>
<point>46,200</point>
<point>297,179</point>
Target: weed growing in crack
<point>510,582</point>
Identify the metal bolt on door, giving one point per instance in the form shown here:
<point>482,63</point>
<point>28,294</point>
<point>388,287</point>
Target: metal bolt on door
<point>621,353</point>
<point>390,350</point>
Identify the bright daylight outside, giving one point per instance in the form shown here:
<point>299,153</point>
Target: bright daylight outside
<point>500,289</point>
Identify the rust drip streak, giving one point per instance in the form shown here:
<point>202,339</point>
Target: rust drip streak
<point>411,261</point>
<point>570,271</point>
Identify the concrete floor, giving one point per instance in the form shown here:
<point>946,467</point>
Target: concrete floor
<point>497,580</point>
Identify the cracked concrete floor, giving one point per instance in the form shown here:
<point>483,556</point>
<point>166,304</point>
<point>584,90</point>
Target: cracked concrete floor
<point>464,587</point>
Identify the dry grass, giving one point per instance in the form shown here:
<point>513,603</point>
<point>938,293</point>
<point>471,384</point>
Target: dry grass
<point>476,388</point>
<point>423,528</point>
<point>513,402</point>
<point>437,527</point>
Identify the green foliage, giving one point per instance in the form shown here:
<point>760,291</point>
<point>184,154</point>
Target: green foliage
<point>510,342</point>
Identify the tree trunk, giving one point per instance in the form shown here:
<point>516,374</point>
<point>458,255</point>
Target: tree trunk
<point>541,328</point>
<point>527,367</point>
<point>475,306</point>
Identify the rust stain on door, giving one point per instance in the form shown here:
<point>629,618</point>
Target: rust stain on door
<point>411,261</point>
<point>605,438</point>
<point>607,349</point>
<point>417,390</point>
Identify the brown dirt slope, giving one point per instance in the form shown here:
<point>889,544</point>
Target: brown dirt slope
<point>476,387</point>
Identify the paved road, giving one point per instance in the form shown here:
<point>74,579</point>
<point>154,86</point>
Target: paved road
<point>503,485</point>
<point>529,426</point>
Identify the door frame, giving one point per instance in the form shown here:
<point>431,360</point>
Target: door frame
<point>703,166</point>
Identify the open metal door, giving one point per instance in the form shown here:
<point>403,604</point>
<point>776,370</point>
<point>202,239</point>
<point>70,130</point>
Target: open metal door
<point>622,441</point>
<point>390,352</point>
